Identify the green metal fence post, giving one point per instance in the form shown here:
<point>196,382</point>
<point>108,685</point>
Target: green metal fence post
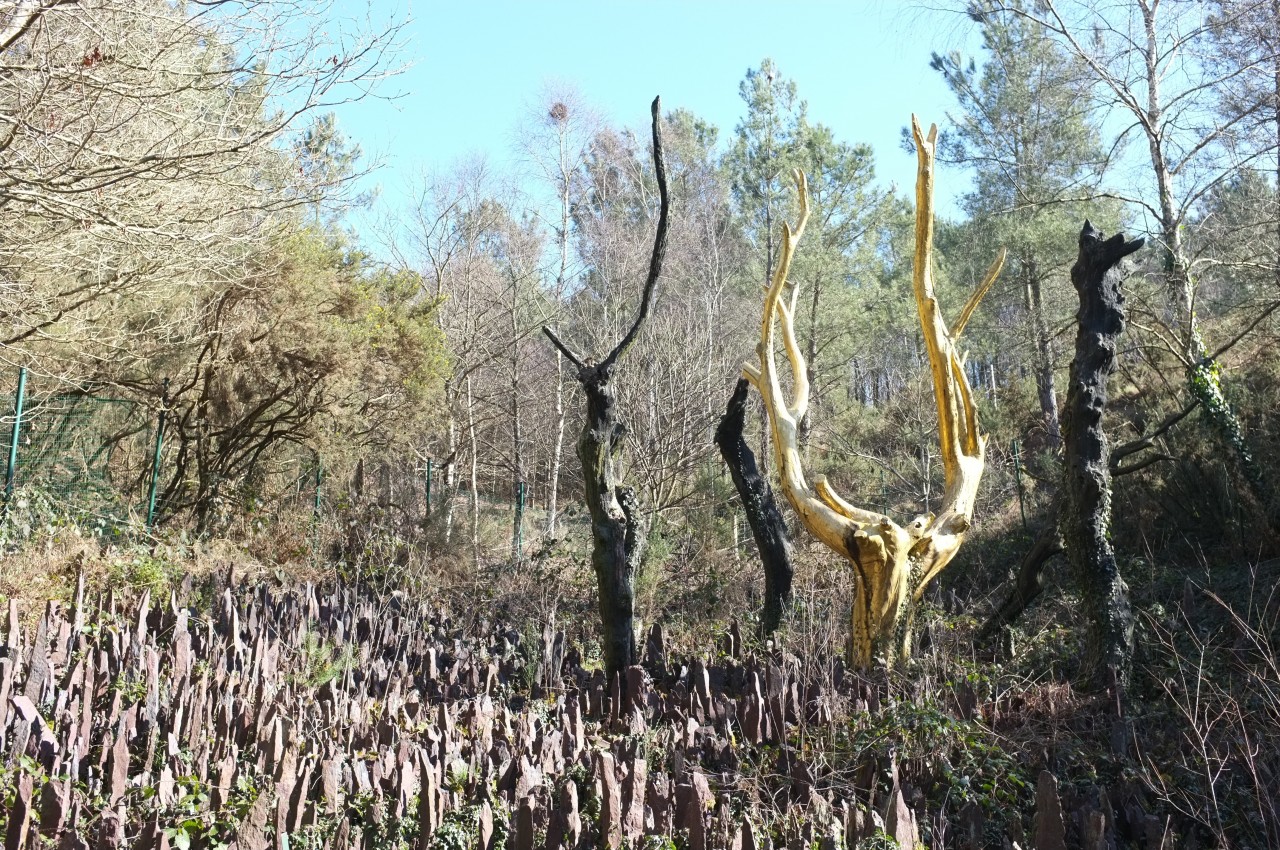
<point>1017,477</point>
<point>428,486</point>
<point>13,439</point>
<point>517,536</point>
<point>319,479</point>
<point>155,458</point>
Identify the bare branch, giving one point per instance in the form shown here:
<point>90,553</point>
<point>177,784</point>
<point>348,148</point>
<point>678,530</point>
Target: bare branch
<point>659,240</point>
<point>1147,441</point>
<point>562,348</point>
<point>1231,343</point>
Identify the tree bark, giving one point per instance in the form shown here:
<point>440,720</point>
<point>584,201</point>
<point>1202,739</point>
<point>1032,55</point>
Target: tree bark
<point>553,483</point>
<point>475,476</point>
<point>616,525</point>
<point>1086,494</point>
<point>1045,388</point>
<point>767,526</point>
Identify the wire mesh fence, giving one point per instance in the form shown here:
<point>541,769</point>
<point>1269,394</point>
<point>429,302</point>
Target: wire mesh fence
<point>510,520</point>
<point>85,452</point>
<point>97,458</point>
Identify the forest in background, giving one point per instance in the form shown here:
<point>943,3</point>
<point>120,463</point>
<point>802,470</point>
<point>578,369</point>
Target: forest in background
<point>366,406</point>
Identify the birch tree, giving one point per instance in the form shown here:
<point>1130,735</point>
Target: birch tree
<point>556,142</point>
<point>1149,66</point>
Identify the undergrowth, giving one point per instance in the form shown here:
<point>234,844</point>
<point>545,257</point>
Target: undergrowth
<point>970,725</point>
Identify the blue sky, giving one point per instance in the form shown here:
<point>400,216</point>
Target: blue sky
<point>476,68</point>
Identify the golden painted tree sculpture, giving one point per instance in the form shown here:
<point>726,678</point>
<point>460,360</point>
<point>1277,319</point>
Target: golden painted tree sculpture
<point>892,564</point>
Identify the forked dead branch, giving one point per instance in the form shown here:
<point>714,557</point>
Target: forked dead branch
<point>892,564</point>
<point>619,531</point>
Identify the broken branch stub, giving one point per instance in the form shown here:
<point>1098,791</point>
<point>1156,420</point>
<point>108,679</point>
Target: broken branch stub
<point>892,564</point>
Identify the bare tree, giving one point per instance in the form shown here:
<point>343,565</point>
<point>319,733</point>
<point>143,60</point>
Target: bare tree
<point>617,525</point>
<point>1246,34</point>
<point>141,146</point>
<point>892,564</point>
<point>763,516</point>
<point>1150,62</point>
<point>451,222</point>
<point>558,143</point>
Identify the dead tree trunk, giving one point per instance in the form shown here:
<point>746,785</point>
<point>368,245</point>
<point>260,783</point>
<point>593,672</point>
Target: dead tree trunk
<point>892,564</point>
<point>617,526</point>
<point>767,525</point>
<point>1086,494</point>
<point>1030,580</point>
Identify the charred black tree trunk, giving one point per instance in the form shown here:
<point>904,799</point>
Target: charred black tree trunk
<point>1086,493</point>
<point>617,527</point>
<point>767,525</point>
<point>1030,581</point>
